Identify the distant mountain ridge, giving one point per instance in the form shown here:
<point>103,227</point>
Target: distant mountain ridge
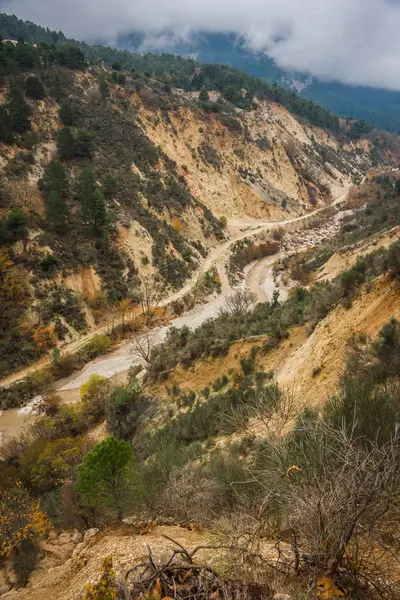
<point>379,106</point>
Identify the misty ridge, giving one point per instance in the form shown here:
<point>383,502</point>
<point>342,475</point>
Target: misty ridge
<point>354,42</point>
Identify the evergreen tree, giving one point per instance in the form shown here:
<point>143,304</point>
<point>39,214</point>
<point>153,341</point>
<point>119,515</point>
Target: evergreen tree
<point>56,87</point>
<point>17,225</point>
<point>98,212</point>
<point>55,179</point>
<point>67,114</point>
<point>83,145</point>
<point>203,96</point>
<point>109,185</point>
<point>103,475</point>
<point>57,213</point>
<point>25,55</point>
<point>66,144</point>
<point>34,88</point>
<point>117,77</point>
<point>72,57</point>
<point>6,134</point>
<point>103,87</point>
<point>18,111</point>
<point>93,206</point>
<point>86,188</point>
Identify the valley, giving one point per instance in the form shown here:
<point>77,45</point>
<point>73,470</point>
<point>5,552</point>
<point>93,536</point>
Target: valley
<point>200,334</point>
<point>258,280</point>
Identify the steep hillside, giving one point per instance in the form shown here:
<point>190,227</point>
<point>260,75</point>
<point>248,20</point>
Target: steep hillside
<point>375,105</point>
<point>208,269</point>
<point>378,106</point>
<point>238,455</point>
<point>114,184</point>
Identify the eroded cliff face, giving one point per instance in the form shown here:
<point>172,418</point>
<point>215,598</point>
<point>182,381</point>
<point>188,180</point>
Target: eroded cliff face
<point>261,165</point>
<point>187,181</point>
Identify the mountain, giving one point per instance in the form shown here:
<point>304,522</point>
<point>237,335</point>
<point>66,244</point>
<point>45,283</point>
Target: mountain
<point>200,337</point>
<point>380,107</point>
<point>112,177</point>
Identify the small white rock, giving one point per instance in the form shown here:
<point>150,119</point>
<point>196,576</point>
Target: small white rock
<point>89,534</point>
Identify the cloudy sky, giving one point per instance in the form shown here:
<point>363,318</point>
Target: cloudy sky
<point>356,41</point>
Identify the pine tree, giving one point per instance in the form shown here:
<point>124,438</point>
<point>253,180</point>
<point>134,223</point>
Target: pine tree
<point>109,185</point>
<point>98,211</point>
<point>103,87</point>
<point>18,111</point>
<point>93,205</point>
<point>67,114</point>
<point>56,87</point>
<point>34,88</point>
<point>203,96</point>
<point>103,475</point>
<point>57,213</point>
<point>55,179</point>
<point>66,144</point>
<point>6,134</point>
<point>86,188</point>
<point>83,144</point>
<point>72,57</point>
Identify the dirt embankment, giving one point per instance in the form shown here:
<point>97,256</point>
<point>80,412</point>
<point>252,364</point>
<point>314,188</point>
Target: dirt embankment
<point>253,177</point>
<point>307,365</point>
<point>62,575</point>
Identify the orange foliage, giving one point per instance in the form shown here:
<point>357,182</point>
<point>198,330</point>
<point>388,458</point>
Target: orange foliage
<point>5,260</point>
<point>177,224</point>
<point>20,518</point>
<point>45,338</point>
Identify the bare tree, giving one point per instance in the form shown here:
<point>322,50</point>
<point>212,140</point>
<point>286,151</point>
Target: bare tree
<point>339,498</point>
<point>150,295</point>
<point>124,307</point>
<point>270,412</point>
<point>239,303</point>
<point>142,345</point>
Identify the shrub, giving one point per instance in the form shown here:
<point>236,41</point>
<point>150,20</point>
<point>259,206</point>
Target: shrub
<point>99,344</point>
<point>105,589</point>
<point>34,88</point>
<point>123,410</point>
<point>94,396</point>
<point>24,561</point>
<point>65,366</point>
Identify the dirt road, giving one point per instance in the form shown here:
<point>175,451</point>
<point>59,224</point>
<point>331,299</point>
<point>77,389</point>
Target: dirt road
<point>239,229</point>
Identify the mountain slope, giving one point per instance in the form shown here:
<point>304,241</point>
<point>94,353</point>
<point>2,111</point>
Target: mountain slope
<point>111,179</point>
<point>378,106</point>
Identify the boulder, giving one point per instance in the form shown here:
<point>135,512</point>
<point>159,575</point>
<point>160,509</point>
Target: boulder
<point>89,534</point>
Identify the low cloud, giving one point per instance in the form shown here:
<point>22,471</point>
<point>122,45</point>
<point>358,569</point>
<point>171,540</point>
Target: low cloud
<point>355,41</point>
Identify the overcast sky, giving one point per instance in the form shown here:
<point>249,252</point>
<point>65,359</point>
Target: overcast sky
<point>356,41</point>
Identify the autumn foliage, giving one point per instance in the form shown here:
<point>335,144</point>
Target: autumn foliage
<point>20,518</point>
<point>45,338</point>
<point>105,588</point>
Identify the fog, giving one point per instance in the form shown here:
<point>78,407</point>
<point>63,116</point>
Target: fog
<point>355,41</point>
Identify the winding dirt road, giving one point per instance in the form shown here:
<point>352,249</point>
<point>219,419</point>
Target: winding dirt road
<point>239,230</point>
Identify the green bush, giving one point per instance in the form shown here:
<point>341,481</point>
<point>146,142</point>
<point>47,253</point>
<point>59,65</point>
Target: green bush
<point>99,344</point>
<point>34,88</point>
<point>24,561</point>
<point>123,411</point>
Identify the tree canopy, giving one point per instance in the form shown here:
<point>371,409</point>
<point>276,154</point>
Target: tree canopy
<point>103,475</point>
